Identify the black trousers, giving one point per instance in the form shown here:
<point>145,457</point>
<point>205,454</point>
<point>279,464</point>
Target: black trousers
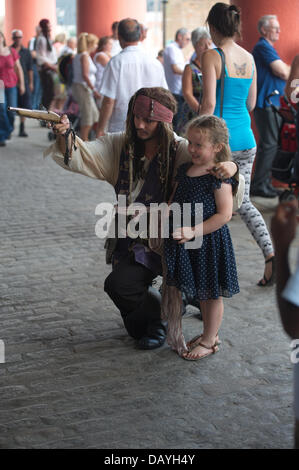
<point>268,124</point>
<point>129,287</point>
<point>47,82</point>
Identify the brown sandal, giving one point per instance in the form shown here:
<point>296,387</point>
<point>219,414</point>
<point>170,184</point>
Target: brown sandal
<point>193,342</point>
<point>212,350</point>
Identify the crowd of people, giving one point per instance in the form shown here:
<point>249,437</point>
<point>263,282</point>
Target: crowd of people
<point>140,108</point>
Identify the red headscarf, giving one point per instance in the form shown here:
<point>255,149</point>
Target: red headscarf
<point>146,107</point>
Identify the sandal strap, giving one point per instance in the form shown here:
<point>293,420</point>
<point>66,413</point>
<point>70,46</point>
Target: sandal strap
<point>214,347</point>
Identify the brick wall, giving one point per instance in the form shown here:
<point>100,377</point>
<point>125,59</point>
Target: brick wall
<point>186,13</point>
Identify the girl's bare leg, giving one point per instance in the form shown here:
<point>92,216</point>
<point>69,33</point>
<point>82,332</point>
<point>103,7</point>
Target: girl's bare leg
<point>212,313</point>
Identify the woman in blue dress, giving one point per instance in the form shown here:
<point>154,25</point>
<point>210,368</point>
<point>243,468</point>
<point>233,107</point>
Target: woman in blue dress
<point>207,272</point>
<point>239,99</point>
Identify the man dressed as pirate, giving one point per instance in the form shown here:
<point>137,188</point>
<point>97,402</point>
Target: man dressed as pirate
<point>140,164</point>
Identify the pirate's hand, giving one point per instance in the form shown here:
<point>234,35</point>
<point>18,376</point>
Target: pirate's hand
<point>62,126</point>
<point>224,170</point>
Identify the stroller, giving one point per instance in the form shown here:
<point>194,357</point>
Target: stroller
<point>285,167</point>
<point>70,108</point>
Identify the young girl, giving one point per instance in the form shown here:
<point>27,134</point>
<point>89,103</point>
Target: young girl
<point>209,272</point>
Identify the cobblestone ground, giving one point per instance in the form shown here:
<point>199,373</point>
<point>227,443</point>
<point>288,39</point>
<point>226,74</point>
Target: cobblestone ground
<point>74,379</point>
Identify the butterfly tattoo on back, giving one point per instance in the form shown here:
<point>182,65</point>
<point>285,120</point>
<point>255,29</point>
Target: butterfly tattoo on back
<point>240,69</point>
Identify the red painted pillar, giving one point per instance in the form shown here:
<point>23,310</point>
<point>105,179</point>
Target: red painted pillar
<point>97,16</point>
<point>288,44</point>
<point>287,14</point>
<point>26,14</point>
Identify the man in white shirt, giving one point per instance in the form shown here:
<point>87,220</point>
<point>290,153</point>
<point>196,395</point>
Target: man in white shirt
<point>128,71</point>
<point>174,64</point>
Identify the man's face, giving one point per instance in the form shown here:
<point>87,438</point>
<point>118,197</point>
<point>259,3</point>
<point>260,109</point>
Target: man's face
<point>183,40</point>
<point>17,39</point>
<point>146,128</point>
<point>272,31</point>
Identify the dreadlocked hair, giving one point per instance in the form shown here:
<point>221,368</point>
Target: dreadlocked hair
<point>135,147</point>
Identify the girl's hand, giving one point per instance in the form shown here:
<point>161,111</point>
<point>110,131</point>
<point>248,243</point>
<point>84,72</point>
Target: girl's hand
<point>224,170</point>
<point>183,234</point>
<point>62,126</point>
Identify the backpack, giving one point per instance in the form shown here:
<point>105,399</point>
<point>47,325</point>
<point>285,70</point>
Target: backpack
<point>65,69</point>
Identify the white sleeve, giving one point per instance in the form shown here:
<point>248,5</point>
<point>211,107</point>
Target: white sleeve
<point>174,57</point>
<point>97,159</point>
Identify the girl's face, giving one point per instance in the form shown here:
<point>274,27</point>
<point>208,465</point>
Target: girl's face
<point>200,147</point>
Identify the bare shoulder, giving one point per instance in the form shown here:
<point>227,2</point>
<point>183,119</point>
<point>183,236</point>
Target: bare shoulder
<point>210,55</point>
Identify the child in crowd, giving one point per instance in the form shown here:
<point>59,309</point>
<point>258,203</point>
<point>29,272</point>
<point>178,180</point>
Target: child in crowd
<point>209,272</point>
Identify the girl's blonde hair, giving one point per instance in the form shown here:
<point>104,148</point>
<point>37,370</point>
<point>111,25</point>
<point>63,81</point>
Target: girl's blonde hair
<point>218,134</point>
<point>85,40</point>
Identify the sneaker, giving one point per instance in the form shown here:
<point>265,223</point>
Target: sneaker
<point>3,144</point>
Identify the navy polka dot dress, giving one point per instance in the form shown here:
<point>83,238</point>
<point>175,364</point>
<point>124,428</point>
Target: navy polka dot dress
<point>208,272</point>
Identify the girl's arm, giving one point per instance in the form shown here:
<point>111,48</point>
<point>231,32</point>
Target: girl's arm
<point>188,89</point>
<point>224,209</point>
<point>209,82</point>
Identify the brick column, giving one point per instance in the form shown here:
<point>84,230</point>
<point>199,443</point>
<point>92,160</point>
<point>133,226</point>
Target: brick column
<point>287,14</point>
<point>26,14</point>
<point>97,16</point>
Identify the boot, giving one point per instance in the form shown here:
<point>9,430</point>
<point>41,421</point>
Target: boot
<point>156,329</point>
<point>22,132</point>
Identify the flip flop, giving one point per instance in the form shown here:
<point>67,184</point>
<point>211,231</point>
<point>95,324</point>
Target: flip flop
<point>212,350</point>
